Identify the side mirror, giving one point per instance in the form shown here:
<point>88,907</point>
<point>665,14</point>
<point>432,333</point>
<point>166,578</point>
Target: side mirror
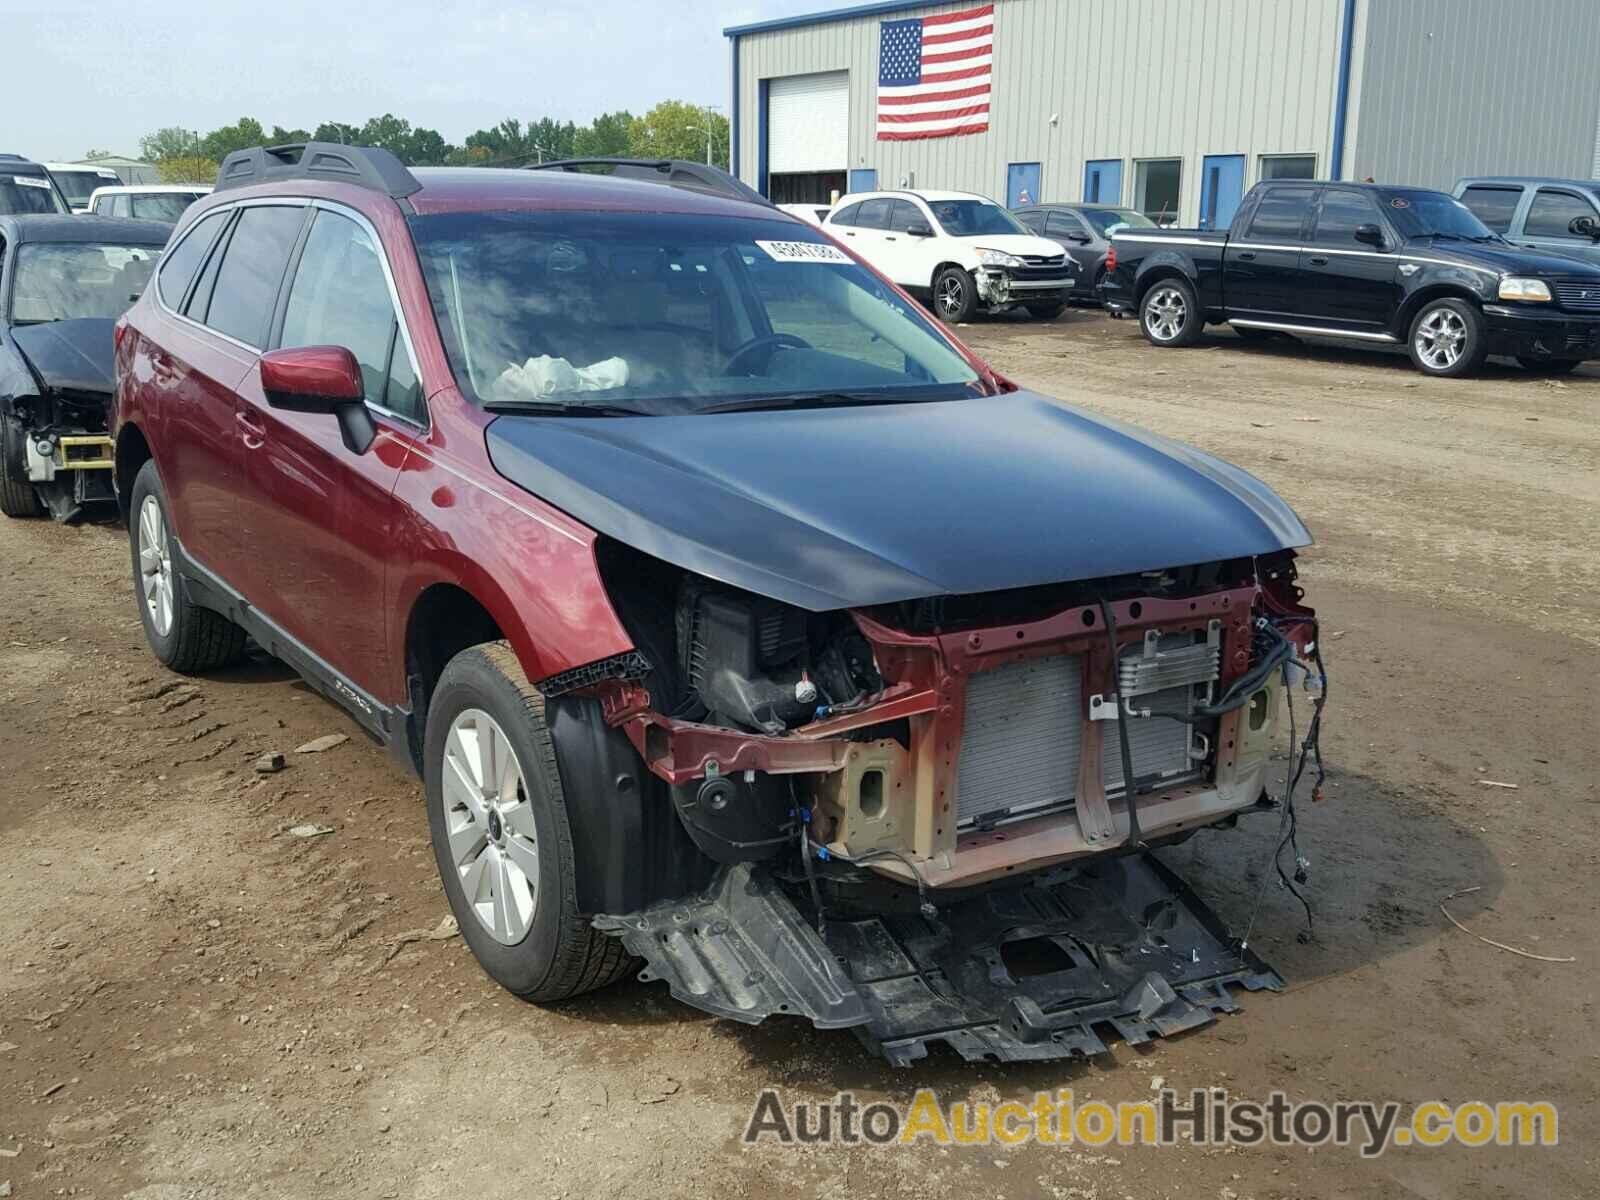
<point>918,229</point>
<point>1370,235</point>
<point>1081,238</point>
<point>321,379</point>
<point>1585,227</point>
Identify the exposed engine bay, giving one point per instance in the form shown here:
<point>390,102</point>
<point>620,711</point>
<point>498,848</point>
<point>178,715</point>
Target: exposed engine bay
<point>895,797</point>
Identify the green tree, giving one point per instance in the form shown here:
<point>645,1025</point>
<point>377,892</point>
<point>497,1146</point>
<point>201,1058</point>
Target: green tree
<point>677,129</point>
<point>187,168</point>
<point>604,137</point>
<point>337,131</point>
<point>169,142</point>
<point>241,135</point>
<point>91,155</point>
<point>427,146</point>
<point>550,139</point>
<point>282,136</point>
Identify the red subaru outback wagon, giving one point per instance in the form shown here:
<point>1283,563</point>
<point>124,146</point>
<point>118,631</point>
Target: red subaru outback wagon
<point>736,617</point>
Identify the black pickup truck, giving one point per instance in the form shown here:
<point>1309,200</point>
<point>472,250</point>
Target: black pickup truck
<point>1366,262</point>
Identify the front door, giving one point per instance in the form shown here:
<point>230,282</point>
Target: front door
<point>1343,282</point>
<point>1102,181</point>
<point>1261,265</point>
<point>1022,184</point>
<point>1221,187</point>
<point>319,515</point>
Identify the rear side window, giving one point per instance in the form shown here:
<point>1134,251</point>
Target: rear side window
<point>1551,213</point>
<point>1281,214</point>
<point>874,214</point>
<point>848,214</point>
<point>903,215</point>
<point>1494,206</point>
<point>181,263</point>
<point>340,297</point>
<point>252,267</point>
<point>1033,220</point>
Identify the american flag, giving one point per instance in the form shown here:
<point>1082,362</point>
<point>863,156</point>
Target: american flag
<point>933,75</point>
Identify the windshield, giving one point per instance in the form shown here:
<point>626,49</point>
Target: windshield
<point>668,313</point>
<point>974,218</point>
<point>76,185</point>
<point>1419,213</point>
<point>1108,220</point>
<point>28,194</point>
<point>62,281</point>
<point>161,206</point>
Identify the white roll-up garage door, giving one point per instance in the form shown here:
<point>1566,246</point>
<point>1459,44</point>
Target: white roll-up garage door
<point>808,122</point>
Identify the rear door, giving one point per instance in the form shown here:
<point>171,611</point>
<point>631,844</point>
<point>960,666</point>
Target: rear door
<point>1343,282</point>
<point>1261,267</point>
<point>905,256</point>
<point>866,234</point>
<point>318,519</point>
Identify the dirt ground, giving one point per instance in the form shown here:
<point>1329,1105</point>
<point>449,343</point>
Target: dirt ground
<point>195,1003</point>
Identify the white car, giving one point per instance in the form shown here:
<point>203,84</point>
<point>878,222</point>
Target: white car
<point>147,201</point>
<point>811,214</point>
<point>963,250</point>
<point>78,182</point>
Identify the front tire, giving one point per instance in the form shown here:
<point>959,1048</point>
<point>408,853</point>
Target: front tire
<point>1447,339</point>
<point>183,636</point>
<point>1170,315</point>
<point>501,836</point>
<point>17,495</point>
<point>955,296</point>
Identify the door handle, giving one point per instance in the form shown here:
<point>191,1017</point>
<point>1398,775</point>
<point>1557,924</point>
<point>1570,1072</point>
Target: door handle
<point>1318,260</point>
<point>1247,255</point>
<point>253,434</point>
<point>847,233</point>
<point>889,238</point>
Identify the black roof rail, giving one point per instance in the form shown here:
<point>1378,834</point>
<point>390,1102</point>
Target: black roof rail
<point>677,172</point>
<point>16,157</point>
<point>364,166</point>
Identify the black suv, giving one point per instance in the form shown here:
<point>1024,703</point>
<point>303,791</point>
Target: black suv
<point>26,187</point>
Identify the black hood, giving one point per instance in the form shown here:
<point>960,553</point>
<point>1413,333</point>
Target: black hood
<point>69,355</point>
<point>1505,258</point>
<point>852,506</point>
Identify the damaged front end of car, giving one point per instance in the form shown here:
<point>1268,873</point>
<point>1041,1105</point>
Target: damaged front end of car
<point>929,820</point>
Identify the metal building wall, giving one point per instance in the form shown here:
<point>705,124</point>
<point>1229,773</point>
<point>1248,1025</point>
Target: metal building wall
<point>1449,88</point>
<point>1156,79</point>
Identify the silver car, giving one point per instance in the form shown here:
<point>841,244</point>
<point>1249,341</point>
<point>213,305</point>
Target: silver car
<point>1084,232</point>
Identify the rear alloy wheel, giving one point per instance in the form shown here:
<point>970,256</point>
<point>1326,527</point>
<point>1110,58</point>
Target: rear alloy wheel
<point>182,635</point>
<point>1447,339</point>
<point>17,496</point>
<point>501,836</point>
<point>1550,366</point>
<point>1169,314</point>
<point>955,296</point>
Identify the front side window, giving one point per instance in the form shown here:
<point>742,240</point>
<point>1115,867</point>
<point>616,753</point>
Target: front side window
<point>65,281</point>
<point>1494,206</point>
<point>1552,212</point>
<point>340,297</point>
<point>179,267</point>
<point>666,313</point>
<point>974,218</point>
<point>252,267</point>
<point>29,194</point>
<point>1340,215</point>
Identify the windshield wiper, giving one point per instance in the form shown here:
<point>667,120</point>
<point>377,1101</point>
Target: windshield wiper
<point>803,400</point>
<point>562,408</point>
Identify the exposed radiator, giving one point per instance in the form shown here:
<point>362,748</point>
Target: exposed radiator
<point>1022,740</point>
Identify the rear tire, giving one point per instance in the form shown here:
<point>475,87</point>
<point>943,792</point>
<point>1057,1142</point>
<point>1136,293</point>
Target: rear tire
<point>1046,312</point>
<point>1447,340</point>
<point>955,296</point>
<point>1550,366</point>
<point>1170,315</point>
<point>500,828</point>
<point>17,496</point>
<point>183,636</point>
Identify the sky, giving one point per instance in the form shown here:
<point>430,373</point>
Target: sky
<point>85,75</point>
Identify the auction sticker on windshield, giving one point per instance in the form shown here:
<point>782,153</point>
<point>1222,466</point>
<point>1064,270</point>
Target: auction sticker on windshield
<point>805,252</point>
<point>30,181</point>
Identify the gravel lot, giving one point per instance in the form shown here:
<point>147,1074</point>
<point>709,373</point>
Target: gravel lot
<point>196,1003</point>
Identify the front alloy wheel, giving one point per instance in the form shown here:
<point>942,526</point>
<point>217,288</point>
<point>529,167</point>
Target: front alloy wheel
<point>494,843</point>
<point>1447,338</point>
